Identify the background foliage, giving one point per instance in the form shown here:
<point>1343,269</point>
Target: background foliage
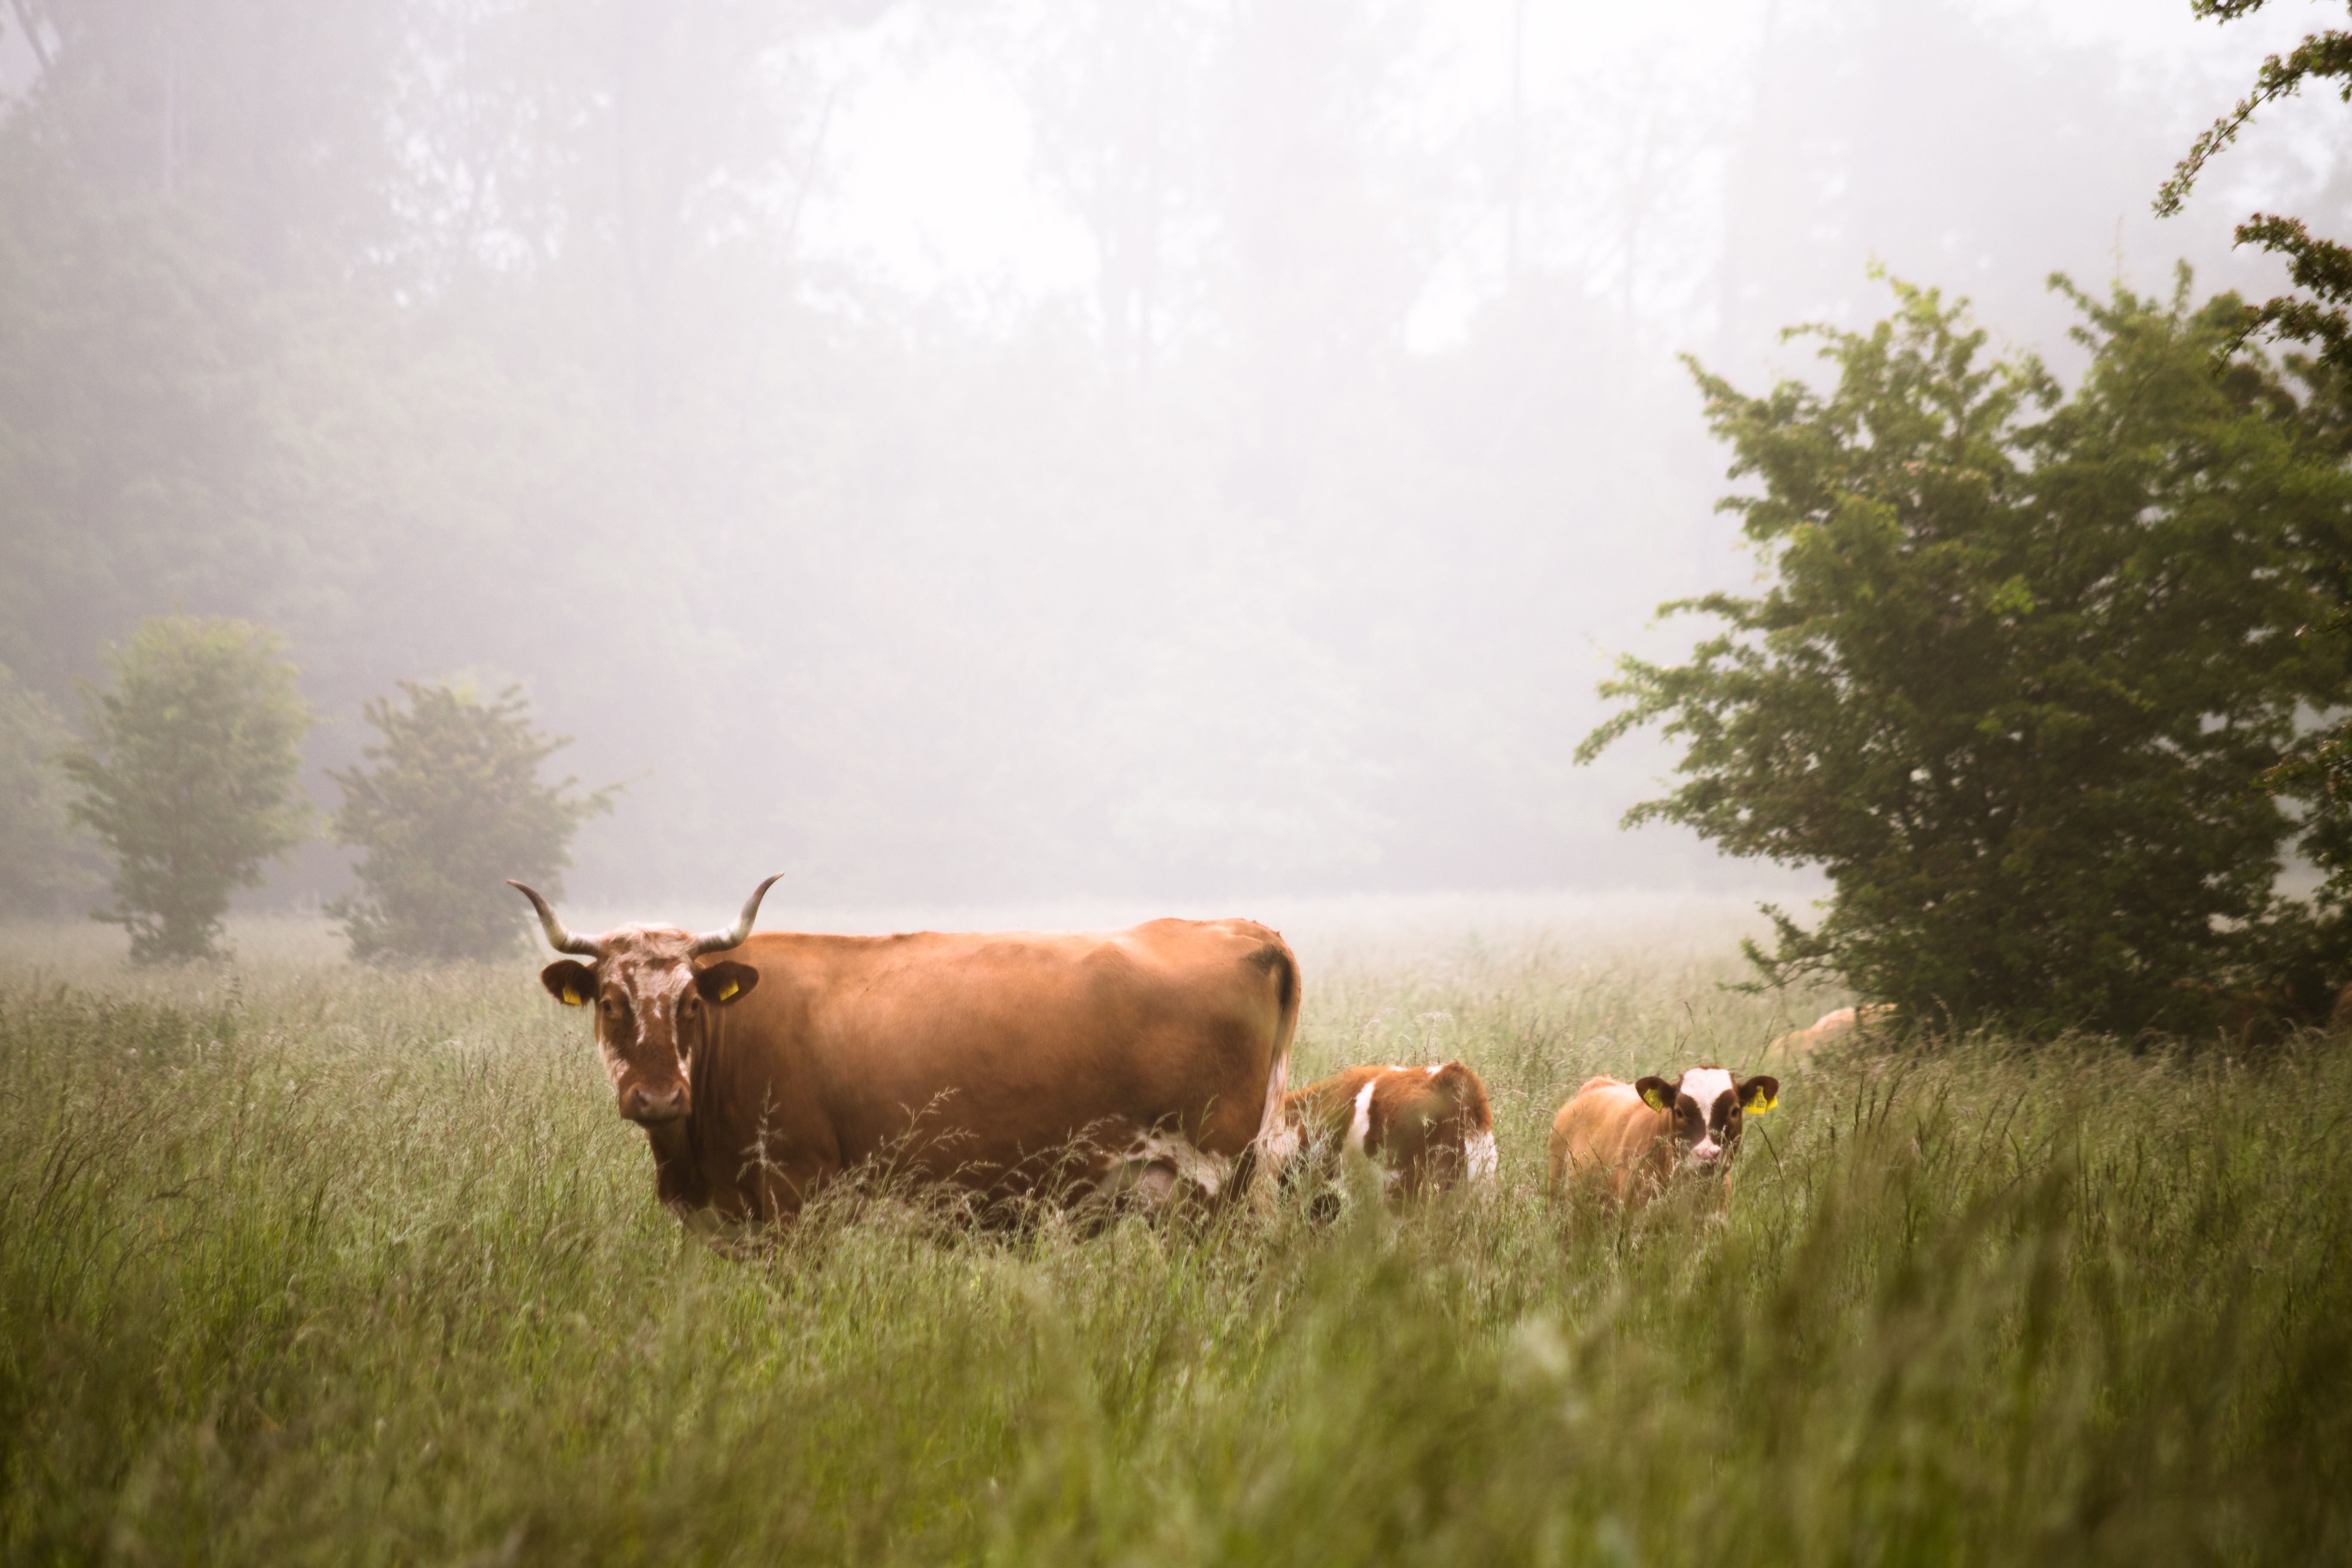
<point>188,775</point>
<point>452,806</point>
<point>2021,658</point>
<point>2318,776</point>
<point>1279,549</point>
<point>2322,267</point>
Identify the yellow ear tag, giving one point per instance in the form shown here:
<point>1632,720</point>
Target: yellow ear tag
<point>1763,1105</point>
<point>728,994</point>
<point>572,998</point>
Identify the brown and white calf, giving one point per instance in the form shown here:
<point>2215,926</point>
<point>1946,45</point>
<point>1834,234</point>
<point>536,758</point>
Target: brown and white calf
<point>1010,1065</point>
<point>1428,1128</point>
<point>1632,1139</point>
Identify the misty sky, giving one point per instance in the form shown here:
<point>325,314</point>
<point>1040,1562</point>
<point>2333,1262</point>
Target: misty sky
<point>935,183</point>
<point>1163,450</point>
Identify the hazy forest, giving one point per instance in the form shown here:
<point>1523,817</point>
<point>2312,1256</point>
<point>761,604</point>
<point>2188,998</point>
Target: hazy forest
<point>1623,531</point>
<point>964,453</point>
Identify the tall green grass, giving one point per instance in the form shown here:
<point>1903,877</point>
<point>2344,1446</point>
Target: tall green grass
<point>328,1265</point>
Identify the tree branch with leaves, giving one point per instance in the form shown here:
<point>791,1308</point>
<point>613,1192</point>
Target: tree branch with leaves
<point>2322,267</point>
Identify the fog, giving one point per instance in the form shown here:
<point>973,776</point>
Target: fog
<point>1148,450</point>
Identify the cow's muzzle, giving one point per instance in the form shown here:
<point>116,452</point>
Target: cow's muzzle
<point>652,1107</point>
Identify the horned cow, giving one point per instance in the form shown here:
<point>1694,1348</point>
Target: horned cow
<point>1632,1139</point>
<point>1427,1128</point>
<point>1008,1064</point>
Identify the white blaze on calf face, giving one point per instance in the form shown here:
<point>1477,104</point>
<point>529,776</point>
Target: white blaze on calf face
<point>1708,1092</point>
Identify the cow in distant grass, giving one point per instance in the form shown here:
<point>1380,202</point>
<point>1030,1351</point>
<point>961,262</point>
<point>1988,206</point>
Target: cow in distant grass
<point>1832,1026</point>
<point>1010,1065</point>
<point>1427,1129</point>
<point>1632,1139</point>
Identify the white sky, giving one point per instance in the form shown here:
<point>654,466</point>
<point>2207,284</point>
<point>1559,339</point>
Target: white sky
<point>931,150</point>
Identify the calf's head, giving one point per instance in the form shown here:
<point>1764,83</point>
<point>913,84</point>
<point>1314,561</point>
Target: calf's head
<point>652,1005</point>
<point>1706,1106</point>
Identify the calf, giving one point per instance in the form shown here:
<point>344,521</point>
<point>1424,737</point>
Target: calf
<point>1427,1128</point>
<point>1633,1138</point>
<point>1828,1026</point>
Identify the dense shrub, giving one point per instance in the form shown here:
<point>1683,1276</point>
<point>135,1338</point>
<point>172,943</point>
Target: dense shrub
<point>189,776</point>
<point>452,806</point>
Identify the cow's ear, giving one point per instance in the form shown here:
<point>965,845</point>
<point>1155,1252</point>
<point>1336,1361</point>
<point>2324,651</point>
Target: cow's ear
<point>569,982</point>
<point>725,981</point>
<point>1656,1093</point>
<point>1758,1095</point>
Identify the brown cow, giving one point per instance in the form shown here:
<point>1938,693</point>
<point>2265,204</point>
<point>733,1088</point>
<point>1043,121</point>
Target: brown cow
<point>1633,1138</point>
<point>1008,1064</point>
<point>1427,1128</point>
<point>1830,1026</point>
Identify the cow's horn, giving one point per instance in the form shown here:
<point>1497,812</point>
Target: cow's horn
<point>721,940</point>
<point>557,937</point>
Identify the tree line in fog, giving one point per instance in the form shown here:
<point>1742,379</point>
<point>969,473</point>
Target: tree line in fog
<point>495,344</point>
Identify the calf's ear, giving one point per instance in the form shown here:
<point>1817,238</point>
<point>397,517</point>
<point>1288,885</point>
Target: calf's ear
<point>1758,1095</point>
<point>572,983</point>
<point>725,981</point>
<point>1656,1093</point>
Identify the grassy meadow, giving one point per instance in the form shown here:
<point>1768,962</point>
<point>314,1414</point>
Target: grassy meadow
<point>307,1263</point>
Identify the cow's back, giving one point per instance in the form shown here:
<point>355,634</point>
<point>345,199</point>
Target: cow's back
<point>984,1057</point>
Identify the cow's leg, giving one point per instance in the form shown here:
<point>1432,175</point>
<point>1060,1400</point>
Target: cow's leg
<point>1278,1141</point>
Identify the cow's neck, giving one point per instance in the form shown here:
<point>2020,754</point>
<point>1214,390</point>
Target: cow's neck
<point>698,1160</point>
<point>678,1177</point>
<point>682,1178</point>
<point>740,1153</point>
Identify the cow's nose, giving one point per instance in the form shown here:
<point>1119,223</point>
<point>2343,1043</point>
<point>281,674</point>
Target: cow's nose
<point>1707,1154</point>
<point>650,1105</point>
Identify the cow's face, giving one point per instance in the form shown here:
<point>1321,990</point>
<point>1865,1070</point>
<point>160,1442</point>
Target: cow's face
<point>1706,1106</point>
<point>653,1008</point>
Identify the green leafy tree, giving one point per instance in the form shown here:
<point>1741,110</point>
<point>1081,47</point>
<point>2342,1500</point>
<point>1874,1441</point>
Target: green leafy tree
<point>189,776</point>
<point>452,806</point>
<point>2311,959</point>
<point>2022,657</point>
